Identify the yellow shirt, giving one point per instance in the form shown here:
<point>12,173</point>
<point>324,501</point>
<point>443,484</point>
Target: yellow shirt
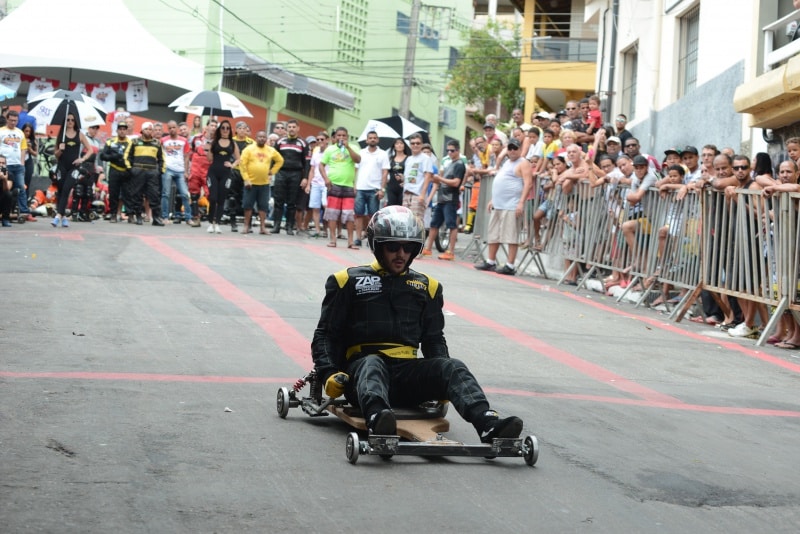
<point>257,164</point>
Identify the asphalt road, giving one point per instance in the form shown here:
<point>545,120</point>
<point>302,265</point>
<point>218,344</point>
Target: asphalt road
<point>139,366</point>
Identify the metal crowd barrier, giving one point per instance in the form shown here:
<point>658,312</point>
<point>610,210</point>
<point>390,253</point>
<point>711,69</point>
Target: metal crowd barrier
<point>481,222</point>
<point>747,247</point>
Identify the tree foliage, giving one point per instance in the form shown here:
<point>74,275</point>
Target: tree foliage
<point>487,67</point>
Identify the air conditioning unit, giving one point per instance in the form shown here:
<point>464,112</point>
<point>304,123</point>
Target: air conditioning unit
<point>447,117</point>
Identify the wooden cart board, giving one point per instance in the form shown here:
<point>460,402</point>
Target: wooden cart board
<point>410,429</point>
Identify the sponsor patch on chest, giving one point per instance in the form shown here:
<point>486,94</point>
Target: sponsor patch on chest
<point>368,284</point>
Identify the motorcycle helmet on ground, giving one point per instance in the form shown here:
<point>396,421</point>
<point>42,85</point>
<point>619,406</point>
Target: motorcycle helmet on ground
<point>395,223</point>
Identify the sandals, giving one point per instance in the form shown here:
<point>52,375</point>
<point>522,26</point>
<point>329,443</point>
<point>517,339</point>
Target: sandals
<point>787,345</point>
<point>351,246</point>
<point>332,245</point>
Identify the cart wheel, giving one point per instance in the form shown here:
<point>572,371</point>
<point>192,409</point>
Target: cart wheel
<point>352,448</point>
<point>282,402</point>
<point>531,450</point>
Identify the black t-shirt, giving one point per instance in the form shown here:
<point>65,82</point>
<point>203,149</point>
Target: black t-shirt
<point>456,169</point>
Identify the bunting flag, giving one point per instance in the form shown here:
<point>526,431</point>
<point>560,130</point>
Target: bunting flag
<point>136,98</point>
<point>106,95</point>
<point>40,86</point>
<point>10,79</point>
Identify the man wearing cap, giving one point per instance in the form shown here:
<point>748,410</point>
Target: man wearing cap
<point>491,119</point>
<point>115,152</point>
<point>613,147</point>
<point>510,188</point>
<point>146,158</point>
<point>671,157</point>
<point>641,180</point>
<point>691,160</point>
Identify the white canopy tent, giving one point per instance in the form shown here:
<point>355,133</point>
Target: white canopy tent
<point>60,50</point>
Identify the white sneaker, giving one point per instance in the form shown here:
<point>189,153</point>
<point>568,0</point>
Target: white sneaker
<point>217,229</point>
<point>742,330</point>
<point>210,228</point>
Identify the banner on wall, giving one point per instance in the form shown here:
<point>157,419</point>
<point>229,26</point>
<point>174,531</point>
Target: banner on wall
<point>136,98</point>
<point>10,79</point>
<point>39,87</point>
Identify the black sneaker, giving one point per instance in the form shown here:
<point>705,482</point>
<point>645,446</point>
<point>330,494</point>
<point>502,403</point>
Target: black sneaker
<point>384,423</point>
<point>505,269</point>
<point>157,221</point>
<point>486,266</point>
<point>510,427</point>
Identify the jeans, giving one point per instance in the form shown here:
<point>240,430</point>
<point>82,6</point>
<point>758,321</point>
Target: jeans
<point>167,179</point>
<point>16,173</point>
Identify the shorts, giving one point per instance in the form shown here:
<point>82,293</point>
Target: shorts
<point>367,202</point>
<point>504,227</point>
<point>318,198</point>
<point>341,202</point>
<point>256,195</point>
<point>445,212</point>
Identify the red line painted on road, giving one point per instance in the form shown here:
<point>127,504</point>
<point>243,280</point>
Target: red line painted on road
<point>669,327</point>
<point>288,339</point>
<point>64,235</point>
<point>168,378</point>
<point>565,358</point>
<point>147,377</point>
<point>727,410</point>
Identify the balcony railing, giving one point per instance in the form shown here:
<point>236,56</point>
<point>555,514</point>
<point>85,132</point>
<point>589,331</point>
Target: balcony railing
<point>561,49</point>
<point>777,45</point>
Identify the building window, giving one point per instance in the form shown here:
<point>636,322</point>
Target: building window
<point>687,60</point>
<point>630,69</point>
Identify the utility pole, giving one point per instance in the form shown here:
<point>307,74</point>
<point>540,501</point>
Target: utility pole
<point>408,67</point>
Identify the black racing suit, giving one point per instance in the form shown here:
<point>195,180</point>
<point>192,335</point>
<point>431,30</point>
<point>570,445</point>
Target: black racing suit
<point>286,184</point>
<point>371,326</point>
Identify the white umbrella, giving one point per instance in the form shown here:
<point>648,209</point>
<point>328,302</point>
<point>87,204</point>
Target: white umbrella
<point>6,92</point>
<point>53,108</point>
<point>211,103</point>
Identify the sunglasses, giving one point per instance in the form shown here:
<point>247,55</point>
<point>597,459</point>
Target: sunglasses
<point>740,167</point>
<point>451,149</point>
<point>224,128</point>
<point>395,246</point>
<point>512,147</point>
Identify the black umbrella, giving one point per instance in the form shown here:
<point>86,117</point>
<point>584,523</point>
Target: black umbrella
<point>217,103</point>
<point>389,129</point>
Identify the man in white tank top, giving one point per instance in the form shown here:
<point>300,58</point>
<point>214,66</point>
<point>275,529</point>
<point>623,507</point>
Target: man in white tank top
<point>507,207</point>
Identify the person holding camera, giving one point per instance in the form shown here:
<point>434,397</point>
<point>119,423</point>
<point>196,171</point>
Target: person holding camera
<point>6,198</point>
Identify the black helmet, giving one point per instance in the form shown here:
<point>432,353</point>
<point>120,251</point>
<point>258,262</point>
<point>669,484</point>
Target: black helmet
<point>395,223</point>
